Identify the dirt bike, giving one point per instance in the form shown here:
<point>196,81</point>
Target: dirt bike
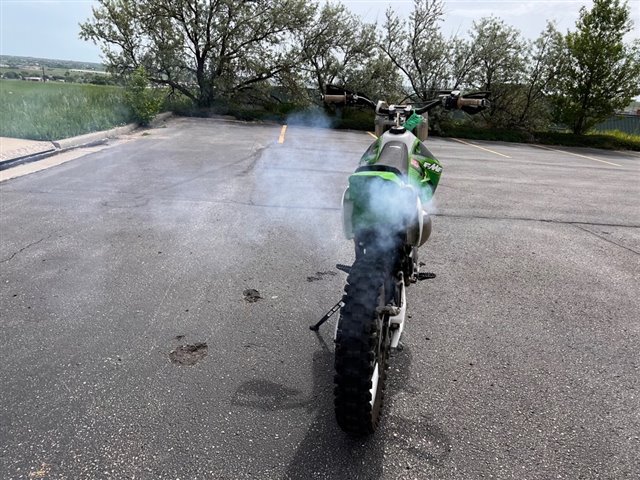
<point>383,213</point>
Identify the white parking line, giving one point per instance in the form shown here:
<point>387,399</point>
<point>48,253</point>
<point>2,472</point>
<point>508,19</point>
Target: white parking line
<point>577,155</point>
<point>481,148</point>
<point>373,135</point>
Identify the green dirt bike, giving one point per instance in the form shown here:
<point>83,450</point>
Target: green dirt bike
<point>383,213</point>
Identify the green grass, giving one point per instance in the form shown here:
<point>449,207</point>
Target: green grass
<point>622,137</point>
<point>605,140</point>
<point>52,111</point>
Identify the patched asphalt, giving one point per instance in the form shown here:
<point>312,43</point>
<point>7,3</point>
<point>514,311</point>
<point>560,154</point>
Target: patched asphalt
<point>155,299</point>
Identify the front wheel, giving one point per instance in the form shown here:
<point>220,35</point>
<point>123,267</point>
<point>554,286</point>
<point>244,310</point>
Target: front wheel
<point>362,347</point>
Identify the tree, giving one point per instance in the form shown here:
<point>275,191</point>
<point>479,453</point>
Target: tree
<point>377,77</point>
<point>462,63</point>
<point>335,44</point>
<point>205,49</point>
<point>519,74</point>
<point>417,48</point>
<point>544,62</point>
<point>602,73</point>
<point>497,65</point>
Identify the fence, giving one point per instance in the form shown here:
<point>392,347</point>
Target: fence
<point>624,122</point>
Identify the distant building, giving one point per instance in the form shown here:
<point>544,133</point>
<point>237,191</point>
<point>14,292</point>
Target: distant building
<point>79,70</point>
<point>33,79</point>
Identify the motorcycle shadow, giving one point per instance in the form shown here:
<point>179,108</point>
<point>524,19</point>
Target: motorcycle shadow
<point>326,451</point>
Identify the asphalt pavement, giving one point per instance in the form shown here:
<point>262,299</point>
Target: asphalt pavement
<point>156,293</point>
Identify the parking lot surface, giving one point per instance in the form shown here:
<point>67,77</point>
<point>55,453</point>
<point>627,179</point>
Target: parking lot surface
<point>521,357</point>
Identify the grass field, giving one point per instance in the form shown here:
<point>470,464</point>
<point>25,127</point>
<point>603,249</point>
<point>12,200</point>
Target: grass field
<point>52,111</point>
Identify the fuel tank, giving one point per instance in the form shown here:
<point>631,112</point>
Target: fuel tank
<point>387,190</point>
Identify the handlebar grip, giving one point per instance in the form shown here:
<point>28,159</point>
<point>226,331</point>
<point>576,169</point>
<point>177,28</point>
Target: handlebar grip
<point>472,102</point>
<point>335,98</point>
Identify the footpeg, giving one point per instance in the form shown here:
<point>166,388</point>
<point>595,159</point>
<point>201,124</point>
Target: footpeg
<point>388,310</point>
<point>344,268</point>
<point>426,275</point>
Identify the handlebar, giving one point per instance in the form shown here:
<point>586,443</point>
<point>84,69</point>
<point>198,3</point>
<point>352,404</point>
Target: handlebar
<point>348,99</point>
<point>335,98</point>
<point>472,102</point>
<point>450,101</point>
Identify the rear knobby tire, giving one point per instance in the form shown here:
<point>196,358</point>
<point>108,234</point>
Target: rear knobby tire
<point>362,347</point>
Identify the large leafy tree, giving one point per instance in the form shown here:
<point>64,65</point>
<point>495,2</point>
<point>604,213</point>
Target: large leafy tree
<point>377,77</point>
<point>602,73</point>
<point>333,45</point>
<point>544,63</point>
<point>417,48</point>
<point>519,74</point>
<point>202,48</point>
<point>497,65</point>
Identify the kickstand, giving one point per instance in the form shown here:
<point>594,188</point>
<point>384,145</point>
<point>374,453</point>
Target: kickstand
<point>327,316</point>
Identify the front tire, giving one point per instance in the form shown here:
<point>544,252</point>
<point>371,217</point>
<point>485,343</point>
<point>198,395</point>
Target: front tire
<point>362,346</point>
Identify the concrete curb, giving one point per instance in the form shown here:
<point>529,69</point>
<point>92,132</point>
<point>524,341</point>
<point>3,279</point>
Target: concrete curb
<point>29,149</point>
<point>95,138</point>
<point>86,140</point>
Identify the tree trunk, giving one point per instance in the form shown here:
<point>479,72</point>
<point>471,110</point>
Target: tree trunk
<point>205,87</point>
<point>578,126</point>
<point>205,97</point>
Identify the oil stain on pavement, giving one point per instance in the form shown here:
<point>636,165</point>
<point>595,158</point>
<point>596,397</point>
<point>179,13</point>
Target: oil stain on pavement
<point>189,354</point>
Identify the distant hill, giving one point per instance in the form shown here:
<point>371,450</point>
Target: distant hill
<point>10,61</point>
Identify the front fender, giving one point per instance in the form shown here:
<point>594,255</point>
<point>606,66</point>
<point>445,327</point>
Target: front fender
<point>347,215</point>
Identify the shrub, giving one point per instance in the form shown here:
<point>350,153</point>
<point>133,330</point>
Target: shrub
<point>144,101</point>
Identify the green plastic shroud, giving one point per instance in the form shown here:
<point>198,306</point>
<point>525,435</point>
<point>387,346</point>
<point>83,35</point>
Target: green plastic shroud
<point>385,198</point>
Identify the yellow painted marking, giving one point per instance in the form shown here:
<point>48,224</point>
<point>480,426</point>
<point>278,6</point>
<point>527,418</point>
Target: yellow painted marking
<point>42,472</point>
<point>372,135</point>
<point>481,148</point>
<point>578,155</point>
<point>282,132</point>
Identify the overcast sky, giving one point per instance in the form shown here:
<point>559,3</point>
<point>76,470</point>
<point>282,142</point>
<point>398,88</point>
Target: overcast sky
<point>49,29</point>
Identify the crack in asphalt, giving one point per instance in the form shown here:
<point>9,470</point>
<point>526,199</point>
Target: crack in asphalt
<point>557,222</point>
<point>304,169</point>
<point>24,248</point>
<point>607,239</point>
<point>528,219</point>
<point>251,203</point>
<point>253,157</point>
